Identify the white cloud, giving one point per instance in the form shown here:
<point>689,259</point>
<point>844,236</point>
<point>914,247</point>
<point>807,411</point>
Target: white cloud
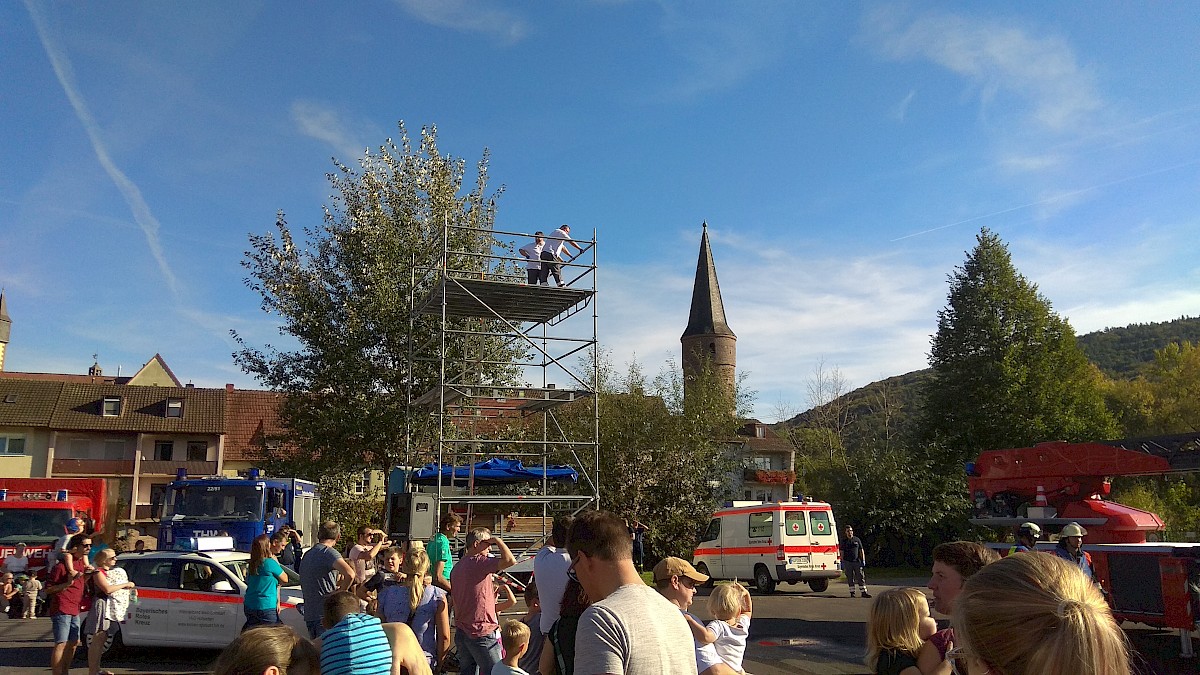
<point>901,110</point>
<point>324,123</point>
<point>870,316</point>
<point>469,17</point>
<point>129,190</point>
<point>998,58</point>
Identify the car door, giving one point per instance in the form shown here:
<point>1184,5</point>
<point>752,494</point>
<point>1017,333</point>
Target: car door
<point>708,551</point>
<point>822,532</point>
<point>796,540</point>
<point>148,618</point>
<point>206,607</point>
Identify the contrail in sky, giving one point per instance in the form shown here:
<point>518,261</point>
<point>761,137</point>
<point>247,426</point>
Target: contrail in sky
<point>133,196</point>
<point>1048,200</point>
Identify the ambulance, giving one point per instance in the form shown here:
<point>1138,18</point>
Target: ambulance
<point>192,597</point>
<point>771,542</point>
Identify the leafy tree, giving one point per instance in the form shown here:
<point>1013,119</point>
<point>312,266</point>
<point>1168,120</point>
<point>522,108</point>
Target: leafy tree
<point>663,461</point>
<point>341,291</point>
<point>1007,369</point>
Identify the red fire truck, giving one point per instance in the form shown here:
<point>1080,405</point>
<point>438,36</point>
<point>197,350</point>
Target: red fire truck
<point>1052,484</point>
<point>35,511</point>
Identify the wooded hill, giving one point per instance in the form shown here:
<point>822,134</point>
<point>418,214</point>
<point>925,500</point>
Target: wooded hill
<point>888,406</point>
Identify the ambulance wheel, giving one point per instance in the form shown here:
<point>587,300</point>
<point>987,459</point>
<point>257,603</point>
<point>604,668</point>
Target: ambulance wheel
<point>818,585</point>
<point>762,580</point>
<point>703,569</point>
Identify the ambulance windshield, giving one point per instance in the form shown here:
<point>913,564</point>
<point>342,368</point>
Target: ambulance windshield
<point>214,502</point>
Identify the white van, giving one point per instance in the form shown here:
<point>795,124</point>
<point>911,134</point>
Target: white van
<point>771,542</point>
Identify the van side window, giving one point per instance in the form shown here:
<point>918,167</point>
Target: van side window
<point>760,524</point>
<point>714,530</point>
<point>820,523</point>
<point>150,573</point>
<point>794,524</point>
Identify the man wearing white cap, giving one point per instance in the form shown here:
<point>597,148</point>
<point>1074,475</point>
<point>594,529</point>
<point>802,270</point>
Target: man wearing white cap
<point>676,580</point>
<point>1070,548</point>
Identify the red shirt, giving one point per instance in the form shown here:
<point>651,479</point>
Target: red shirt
<point>475,595</point>
<point>69,600</point>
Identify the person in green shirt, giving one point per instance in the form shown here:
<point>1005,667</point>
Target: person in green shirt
<point>440,559</point>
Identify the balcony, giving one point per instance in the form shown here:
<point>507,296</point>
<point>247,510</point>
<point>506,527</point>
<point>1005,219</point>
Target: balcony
<point>93,467</point>
<point>124,467</point>
<point>769,477</point>
<point>146,511</point>
<point>157,467</point>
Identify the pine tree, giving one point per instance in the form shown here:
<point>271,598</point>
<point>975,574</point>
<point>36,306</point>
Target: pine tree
<point>1007,369</point>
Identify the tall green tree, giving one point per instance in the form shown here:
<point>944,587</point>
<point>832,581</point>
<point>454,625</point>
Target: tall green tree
<point>354,348</point>
<point>662,461</point>
<point>1007,369</point>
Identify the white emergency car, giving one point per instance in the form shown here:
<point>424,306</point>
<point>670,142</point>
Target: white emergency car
<point>194,598</point>
<point>771,542</point>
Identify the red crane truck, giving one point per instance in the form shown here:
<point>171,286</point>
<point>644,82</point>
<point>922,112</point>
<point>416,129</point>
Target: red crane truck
<point>1052,484</point>
<point>35,511</point>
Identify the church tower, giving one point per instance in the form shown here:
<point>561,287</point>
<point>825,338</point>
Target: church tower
<point>708,337</point>
<point>5,329</point>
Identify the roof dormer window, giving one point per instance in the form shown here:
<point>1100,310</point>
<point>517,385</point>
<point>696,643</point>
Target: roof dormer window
<point>175,407</point>
<point>111,406</point>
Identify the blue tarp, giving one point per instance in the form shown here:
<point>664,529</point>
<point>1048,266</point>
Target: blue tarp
<point>493,472</point>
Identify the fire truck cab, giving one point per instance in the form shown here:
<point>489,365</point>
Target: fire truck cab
<point>771,542</point>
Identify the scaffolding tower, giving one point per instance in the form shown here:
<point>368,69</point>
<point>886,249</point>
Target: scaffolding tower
<point>481,303</point>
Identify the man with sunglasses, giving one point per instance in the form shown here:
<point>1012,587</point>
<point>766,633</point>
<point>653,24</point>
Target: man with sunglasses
<point>676,580</point>
<point>629,629</point>
<point>64,587</point>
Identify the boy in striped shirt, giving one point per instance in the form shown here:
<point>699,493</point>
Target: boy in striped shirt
<point>353,643</point>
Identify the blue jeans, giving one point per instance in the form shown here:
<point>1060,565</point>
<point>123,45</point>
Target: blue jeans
<point>66,627</point>
<point>314,628</point>
<point>483,652</point>
<point>260,617</point>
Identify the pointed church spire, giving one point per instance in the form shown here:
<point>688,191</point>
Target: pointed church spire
<point>708,312</point>
<point>5,327</point>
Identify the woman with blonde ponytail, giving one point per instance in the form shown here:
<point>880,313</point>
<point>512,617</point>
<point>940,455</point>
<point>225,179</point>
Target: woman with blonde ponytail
<point>423,607</point>
<point>1034,614</point>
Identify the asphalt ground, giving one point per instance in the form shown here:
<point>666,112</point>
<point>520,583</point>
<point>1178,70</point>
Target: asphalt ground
<point>794,631</point>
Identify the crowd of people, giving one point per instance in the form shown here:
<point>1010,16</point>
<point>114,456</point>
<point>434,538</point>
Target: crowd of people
<point>1029,613</point>
<point>389,609</point>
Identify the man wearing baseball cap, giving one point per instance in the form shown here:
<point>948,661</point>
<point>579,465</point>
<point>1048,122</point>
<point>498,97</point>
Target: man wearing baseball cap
<point>676,580</point>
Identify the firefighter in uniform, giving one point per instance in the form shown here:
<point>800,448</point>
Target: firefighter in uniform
<point>1027,538</point>
<point>1070,548</point>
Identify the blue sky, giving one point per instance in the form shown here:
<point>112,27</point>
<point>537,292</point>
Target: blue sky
<point>844,155</point>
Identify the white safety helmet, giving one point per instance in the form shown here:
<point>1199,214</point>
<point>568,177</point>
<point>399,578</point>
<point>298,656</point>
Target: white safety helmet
<point>1030,530</point>
<point>1073,530</point>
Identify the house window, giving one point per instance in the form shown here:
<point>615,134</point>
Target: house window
<point>174,407</point>
<point>112,406</point>
<point>163,450</point>
<point>78,448</point>
<point>362,484</point>
<point>114,448</point>
<point>197,451</point>
<point>10,398</point>
<point>12,445</point>
<point>758,462</point>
